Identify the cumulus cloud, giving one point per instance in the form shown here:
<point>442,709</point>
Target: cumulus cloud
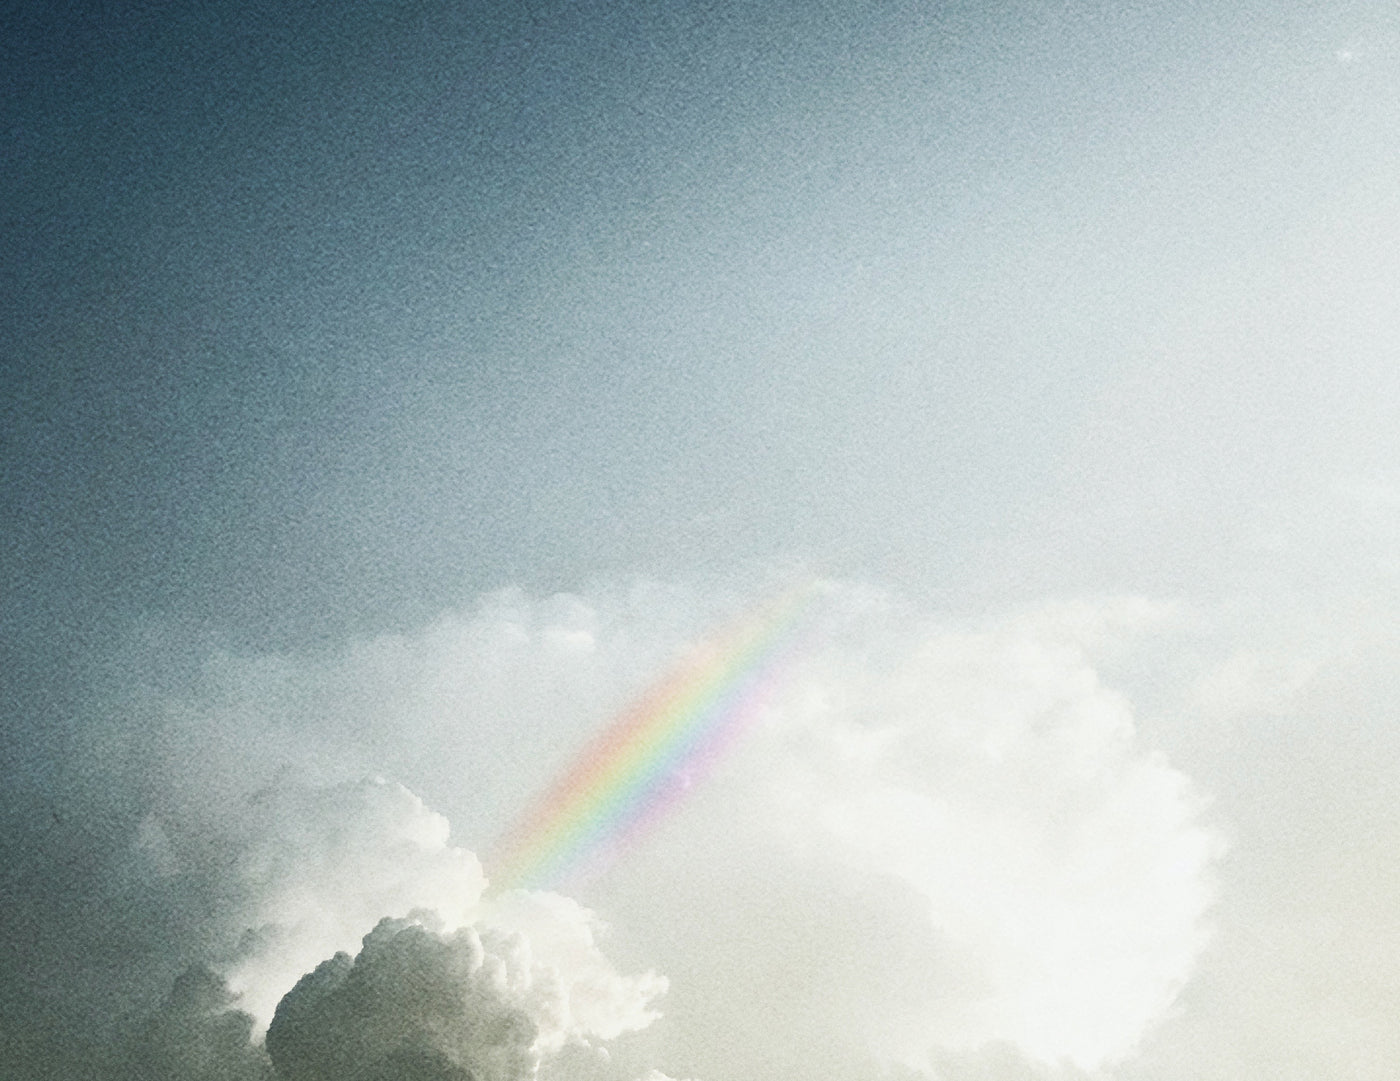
<point>942,850</point>
<point>321,865</point>
<point>949,848</point>
<point>318,867</point>
<point>442,987</point>
<point>413,1005</point>
<point>420,1004</point>
<point>574,991</point>
<point>992,774</point>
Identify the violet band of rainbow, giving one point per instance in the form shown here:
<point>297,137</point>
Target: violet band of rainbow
<point>656,750</point>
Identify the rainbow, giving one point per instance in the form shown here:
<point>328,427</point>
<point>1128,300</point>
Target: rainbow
<point>655,751</point>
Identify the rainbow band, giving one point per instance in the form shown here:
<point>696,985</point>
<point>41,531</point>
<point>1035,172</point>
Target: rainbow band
<point>655,751</point>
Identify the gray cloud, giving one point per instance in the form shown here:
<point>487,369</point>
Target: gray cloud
<point>412,1005</point>
<point>198,1034</point>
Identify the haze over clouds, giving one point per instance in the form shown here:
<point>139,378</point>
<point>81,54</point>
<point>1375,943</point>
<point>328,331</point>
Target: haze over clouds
<point>392,393</point>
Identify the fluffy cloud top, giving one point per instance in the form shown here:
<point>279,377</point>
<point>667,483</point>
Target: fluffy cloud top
<point>323,864</point>
<point>942,848</point>
<point>573,990</point>
<point>431,996</point>
<point>413,1006</point>
<point>420,1005</point>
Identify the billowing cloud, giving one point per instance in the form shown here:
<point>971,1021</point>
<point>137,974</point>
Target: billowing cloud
<point>948,845</point>
<point>573,990</point>
<point>321,865</point>
<point>422,1005</point>
<point>441,986</point>
<point>992,775</point>
<point>413,1005</point>
<point>942,850</point>
<point>318,867</point>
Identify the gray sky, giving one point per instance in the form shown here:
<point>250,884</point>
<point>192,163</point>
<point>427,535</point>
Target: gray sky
<point>342,344</point>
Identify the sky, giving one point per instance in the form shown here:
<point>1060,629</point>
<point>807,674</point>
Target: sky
<point>393,392</point>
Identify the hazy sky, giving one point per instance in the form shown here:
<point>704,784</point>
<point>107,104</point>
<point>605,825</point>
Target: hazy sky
<point>391,391</point>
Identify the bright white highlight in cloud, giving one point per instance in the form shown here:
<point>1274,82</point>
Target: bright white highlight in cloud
<point>582,997</point>
<point>995,777</point>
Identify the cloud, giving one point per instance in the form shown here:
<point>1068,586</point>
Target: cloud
<point>575,992</point>
<point>322,865</point>
<point>424,1005</point>
<point>315,868</point>
<point>413,1005</point>
<point>442,986</point>
<point>942,849</point>
<point>945,841</point>
<point>196,1035</point>
<point>1063,865</point>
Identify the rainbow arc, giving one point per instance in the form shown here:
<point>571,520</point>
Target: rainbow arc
<point>654,752</point>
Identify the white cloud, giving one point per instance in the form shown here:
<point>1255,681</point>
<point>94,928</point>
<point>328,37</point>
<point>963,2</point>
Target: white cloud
<point>586,997</point>
<point>942,848</point>
<point>321,866</point>
<point>956,835</point>
<point>1064,864</point>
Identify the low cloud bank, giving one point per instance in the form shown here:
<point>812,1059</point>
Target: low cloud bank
<point>941,851</point>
